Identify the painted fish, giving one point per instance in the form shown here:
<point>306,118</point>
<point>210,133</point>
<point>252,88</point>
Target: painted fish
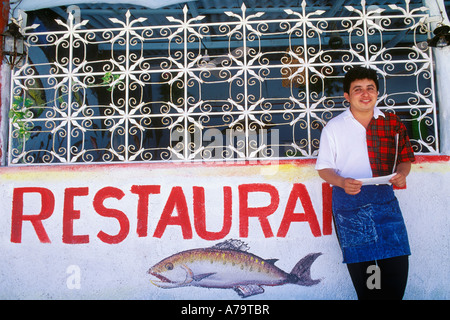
<point>228,265</point>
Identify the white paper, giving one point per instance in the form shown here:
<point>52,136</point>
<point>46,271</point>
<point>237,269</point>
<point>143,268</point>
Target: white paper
<point>377,180</point>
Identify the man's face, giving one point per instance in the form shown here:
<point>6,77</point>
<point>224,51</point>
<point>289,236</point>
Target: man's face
<point>362,95</point>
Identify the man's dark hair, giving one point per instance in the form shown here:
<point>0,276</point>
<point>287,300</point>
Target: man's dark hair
<point>359,73</point>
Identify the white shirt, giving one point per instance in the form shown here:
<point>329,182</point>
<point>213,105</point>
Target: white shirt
<point>343,147</point>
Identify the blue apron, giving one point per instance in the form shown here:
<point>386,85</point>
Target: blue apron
<point>369,225</point>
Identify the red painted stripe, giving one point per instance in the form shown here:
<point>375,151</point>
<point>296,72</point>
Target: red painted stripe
<point>425,159</point>
<point>181,165</point>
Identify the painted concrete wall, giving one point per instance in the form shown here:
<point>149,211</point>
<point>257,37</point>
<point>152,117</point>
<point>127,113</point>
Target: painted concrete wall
<point>81,232</point>
<point>93,232</point>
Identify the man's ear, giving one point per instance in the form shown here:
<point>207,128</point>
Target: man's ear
<point>346,96</point>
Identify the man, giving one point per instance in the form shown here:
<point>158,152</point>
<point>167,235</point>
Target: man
<point>363,142</point>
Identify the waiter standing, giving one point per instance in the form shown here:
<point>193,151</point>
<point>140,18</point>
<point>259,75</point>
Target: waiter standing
<point>364,142</point>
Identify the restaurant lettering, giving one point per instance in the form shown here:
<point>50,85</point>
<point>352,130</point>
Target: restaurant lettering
<point>175,212</point>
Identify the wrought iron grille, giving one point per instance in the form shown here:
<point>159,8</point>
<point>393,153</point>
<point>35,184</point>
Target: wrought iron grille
<point>254,84</point>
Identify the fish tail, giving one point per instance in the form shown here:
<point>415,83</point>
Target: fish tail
<point>301,273</point>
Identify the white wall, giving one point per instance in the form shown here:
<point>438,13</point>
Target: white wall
<point>441,56</point>
<point>30,269</point>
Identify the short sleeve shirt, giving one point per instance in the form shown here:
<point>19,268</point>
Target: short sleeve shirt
<point>354,152</point>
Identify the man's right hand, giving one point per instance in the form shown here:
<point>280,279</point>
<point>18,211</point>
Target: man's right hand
<point>352,186</point>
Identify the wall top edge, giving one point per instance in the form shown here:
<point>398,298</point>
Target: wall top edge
<point>420,159</point>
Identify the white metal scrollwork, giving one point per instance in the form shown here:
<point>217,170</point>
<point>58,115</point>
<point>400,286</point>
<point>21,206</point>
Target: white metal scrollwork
<point>253,86</point>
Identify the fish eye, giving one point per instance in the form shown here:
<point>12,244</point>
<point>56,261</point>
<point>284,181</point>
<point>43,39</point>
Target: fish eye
<point>169,266</point>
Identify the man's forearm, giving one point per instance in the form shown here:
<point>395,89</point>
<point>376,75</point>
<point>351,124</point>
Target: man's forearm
<point>404,168</point>
<point>330,176</point>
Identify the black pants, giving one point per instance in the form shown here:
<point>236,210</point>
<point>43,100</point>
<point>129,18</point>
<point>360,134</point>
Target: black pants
<point>386,283</point>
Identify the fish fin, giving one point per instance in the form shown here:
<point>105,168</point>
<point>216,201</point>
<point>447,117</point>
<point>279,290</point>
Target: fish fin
<point>248,290</point>
<point>232,244</point>
<point>301,273</point>
<point>202,276</point>
<point>271,261</point>
<point>189,274</point>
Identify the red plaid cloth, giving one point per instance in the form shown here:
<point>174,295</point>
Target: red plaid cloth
<point>380,137</point>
